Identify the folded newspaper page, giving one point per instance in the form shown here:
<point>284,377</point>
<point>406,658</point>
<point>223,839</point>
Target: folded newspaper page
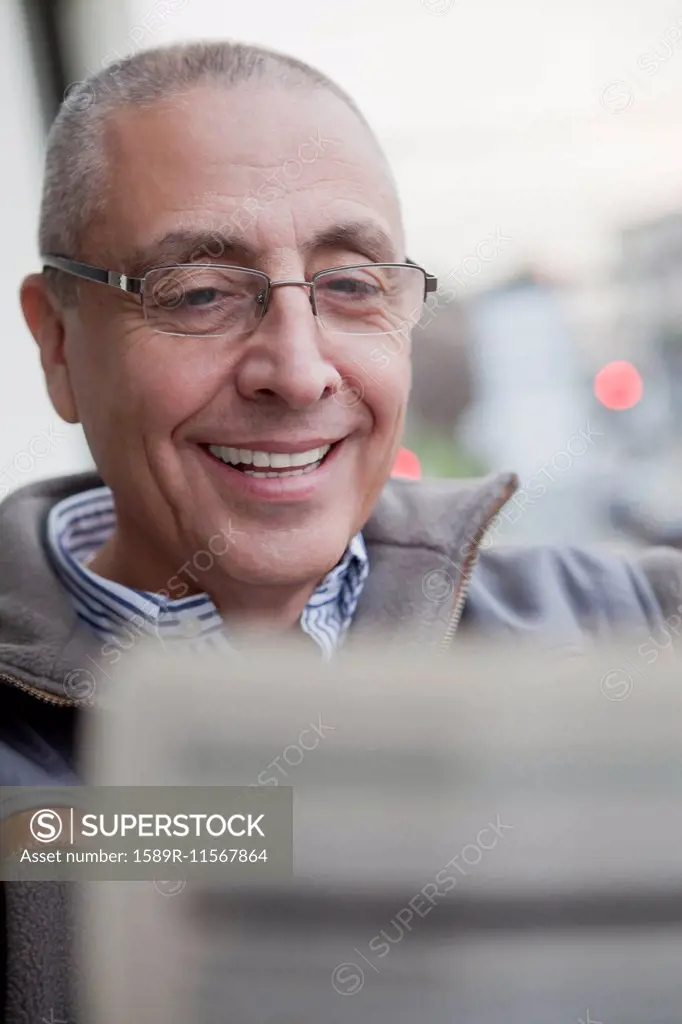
<point>491,835</point>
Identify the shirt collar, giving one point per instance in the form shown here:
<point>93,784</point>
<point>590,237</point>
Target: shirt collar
<point>78,526</point>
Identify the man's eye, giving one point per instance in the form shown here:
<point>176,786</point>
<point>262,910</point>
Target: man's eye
<point>352,286</point>
<point>201,296</point>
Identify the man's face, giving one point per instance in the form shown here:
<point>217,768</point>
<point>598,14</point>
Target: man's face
<point>275,170</point>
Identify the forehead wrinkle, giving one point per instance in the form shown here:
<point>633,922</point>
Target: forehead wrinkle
<point>366,176</point>
<point>361,231</point>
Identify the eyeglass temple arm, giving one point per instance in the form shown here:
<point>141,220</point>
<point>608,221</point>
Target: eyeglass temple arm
<point>430,281</point>
<point>89,273</point>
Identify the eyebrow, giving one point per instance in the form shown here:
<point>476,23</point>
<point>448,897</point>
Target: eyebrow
<point>189,247</point>
<point>356,236</point>
<point>365,238</point>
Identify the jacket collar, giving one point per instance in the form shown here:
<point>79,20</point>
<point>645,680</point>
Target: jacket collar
<point>422,540</point>
<point>43,645</point>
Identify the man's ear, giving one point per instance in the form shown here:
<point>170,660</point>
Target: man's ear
<point>45,320</point>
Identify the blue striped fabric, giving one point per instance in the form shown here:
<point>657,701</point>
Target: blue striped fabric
<point>78,526</point>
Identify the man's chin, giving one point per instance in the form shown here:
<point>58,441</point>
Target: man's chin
<point>292,571</point>
<point>281,557</point>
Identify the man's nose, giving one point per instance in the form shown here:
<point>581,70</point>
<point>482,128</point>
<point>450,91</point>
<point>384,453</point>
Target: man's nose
<point>288,355</point>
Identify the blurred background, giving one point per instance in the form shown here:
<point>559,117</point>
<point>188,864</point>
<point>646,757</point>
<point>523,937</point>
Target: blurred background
<point>537,152</point>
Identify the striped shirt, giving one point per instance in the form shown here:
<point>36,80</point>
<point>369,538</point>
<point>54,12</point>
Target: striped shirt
<point>78,526</point>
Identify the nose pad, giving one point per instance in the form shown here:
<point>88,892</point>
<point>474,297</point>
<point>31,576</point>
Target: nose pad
<point>260,306</point>
<point>311,300</point>
<point>262,300</point>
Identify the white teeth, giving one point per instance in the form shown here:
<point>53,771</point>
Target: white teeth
<point>305,458</point>
<point>273,460</point>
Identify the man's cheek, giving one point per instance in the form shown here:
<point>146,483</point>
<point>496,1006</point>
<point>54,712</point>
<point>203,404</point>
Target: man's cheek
<point>198,370</point>
<point>167,387</point>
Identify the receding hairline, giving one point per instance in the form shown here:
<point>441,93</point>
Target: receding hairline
<point>370,236</point>
<point>77,165</point>
<point>117,119</point>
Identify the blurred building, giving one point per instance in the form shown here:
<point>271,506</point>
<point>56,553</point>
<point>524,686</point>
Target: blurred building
<point>532,408</point>
<point>647,494</point>
<point>650,328</point>
<point>526,375</point>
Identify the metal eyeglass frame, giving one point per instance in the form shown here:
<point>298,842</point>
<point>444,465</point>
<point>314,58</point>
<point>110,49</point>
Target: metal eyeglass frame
<point>135,285</point>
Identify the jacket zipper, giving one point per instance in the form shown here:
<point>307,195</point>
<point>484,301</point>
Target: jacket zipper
<point>34,691</point>
<point>469,566</point>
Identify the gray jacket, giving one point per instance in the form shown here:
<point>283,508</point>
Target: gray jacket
<point>431,576</point>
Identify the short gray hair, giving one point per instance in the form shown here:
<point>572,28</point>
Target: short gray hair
<point>75,165</point>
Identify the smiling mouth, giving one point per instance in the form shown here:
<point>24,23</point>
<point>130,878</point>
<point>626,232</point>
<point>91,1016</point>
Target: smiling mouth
<point>271,464</point>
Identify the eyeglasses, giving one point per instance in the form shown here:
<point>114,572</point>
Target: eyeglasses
<point>209,300</point>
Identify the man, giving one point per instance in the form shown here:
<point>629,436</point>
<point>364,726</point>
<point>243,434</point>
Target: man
<point>223,253</point>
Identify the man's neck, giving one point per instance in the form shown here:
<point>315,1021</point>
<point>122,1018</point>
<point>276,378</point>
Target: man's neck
<point>248,606</point>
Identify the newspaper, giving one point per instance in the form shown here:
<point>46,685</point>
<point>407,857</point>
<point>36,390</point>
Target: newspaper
<point>484,836</point>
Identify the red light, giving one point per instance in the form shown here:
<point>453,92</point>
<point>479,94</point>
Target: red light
<point>406,465</point>
<point>618,385</point>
